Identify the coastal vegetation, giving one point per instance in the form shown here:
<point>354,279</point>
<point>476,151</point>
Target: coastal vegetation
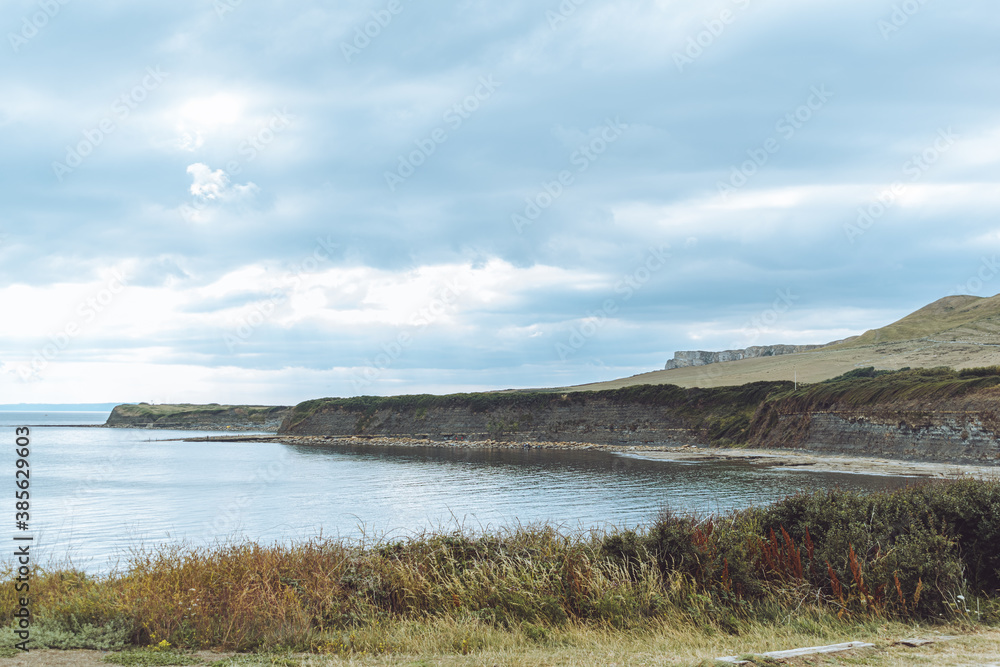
<point>721,416</point>
<point>158,410</point>
<point>147,415</point>
<point>821,565</point>
<point>866,387</point>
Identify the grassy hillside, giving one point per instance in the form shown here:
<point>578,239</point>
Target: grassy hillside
<point>957,332</point>
<point>944,315</point>
<point>868,387</point>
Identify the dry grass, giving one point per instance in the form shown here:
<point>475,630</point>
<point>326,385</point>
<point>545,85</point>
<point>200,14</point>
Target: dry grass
<point>940,317</point>
<point>666,645</point>
<point>849,566</point>
<point>814,366</point>
<point>967,330</point>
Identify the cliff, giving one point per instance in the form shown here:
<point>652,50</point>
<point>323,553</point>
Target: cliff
<point>636,415</point>
<point>924,414</point>
<point>932,414</point>
<point>701,358</point>
<point>211,417</point>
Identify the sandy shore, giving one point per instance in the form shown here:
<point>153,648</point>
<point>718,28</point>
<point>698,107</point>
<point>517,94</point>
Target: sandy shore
<point>824,462</point>
<point>791,459</point>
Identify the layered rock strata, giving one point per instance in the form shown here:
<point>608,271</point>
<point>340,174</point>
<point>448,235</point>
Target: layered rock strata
<point>702,358</point>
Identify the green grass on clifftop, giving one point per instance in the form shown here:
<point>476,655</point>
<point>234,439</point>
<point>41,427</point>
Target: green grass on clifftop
<point>722,413</point>
<point>169,410</point>
<point>721,416</point>
<point>866,387</point>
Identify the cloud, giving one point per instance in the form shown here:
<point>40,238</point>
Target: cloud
<point>277,145</point>
<point>214,185</point>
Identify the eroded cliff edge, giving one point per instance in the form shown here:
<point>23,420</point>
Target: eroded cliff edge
<point>688,358</point>
<point>923,414</point>
<point>212,417</point>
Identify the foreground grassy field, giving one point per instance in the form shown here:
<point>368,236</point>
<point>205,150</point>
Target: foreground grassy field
<point>672,646</point>
<point>817,569</point>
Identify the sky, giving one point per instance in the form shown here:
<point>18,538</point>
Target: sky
<point>236,202</point>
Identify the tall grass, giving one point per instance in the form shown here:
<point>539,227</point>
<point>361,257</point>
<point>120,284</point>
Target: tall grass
<point>929,552</point>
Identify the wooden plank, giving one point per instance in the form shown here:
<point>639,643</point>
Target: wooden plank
<point>915,641</point>
<point>796,652</point>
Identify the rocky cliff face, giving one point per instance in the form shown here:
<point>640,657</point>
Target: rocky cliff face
<point>199,417</point>
<point>595,421</point>
<point>701,358</point>
<point>634,415</point>
<point>941,417</point>
<point>942,436</point>
<point>961,427</point>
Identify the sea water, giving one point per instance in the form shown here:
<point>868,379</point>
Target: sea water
<point>97,494</point>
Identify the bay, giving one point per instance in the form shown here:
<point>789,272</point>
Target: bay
<point>98,493</point>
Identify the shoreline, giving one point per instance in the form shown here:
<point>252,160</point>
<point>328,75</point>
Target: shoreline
<point>768,458</point>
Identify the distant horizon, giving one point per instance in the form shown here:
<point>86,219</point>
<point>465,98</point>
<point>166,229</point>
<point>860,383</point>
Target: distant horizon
<point>62,407</point>
<point>107,406</point>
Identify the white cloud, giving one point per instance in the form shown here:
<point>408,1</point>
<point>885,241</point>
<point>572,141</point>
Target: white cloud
<point>215,186</point>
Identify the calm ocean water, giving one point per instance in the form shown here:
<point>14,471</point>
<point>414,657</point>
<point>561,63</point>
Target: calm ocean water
<point>96,493</point>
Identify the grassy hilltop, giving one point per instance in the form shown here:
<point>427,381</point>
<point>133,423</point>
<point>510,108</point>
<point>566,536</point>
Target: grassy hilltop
<point>957,332</point>
<point>186,415</point>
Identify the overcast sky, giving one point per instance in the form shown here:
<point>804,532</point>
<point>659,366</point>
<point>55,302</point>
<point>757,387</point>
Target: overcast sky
<point>227,201</point>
